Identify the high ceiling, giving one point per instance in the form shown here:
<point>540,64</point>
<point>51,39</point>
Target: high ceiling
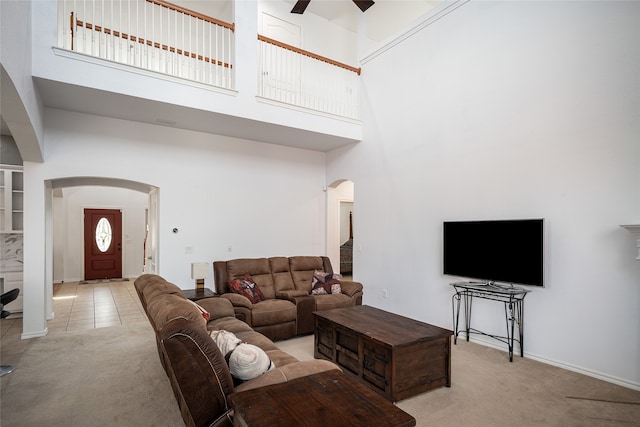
<point>383,19</point>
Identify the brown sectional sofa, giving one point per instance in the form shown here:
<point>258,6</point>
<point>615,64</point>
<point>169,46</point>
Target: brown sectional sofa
<point>286,285</point>
<point>198,373</point>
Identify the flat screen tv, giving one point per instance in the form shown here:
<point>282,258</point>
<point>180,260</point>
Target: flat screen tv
<point>506,251</point>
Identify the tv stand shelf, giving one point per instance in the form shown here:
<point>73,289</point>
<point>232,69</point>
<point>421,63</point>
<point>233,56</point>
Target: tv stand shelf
<point>513,299</point>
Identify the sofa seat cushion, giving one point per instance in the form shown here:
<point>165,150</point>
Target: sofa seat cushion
<point>272,312</point>
<point>230,323</point>
<point>291,294</point>
<point>327,302</point>
<point>281,358</point>
<point>257,339</point>
<point>287,373</point>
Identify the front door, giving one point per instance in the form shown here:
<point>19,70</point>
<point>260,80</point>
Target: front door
<point>102,244</point>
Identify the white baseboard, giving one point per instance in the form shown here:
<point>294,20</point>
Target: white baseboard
<point>590,373</point>
<point>35,334</point>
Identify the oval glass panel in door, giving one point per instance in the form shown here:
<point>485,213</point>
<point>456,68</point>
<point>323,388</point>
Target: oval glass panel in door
<point>103,234</point>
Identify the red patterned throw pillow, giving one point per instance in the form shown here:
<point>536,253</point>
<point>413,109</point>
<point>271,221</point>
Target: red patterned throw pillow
<point>325,283</point>
<point>247,287</point>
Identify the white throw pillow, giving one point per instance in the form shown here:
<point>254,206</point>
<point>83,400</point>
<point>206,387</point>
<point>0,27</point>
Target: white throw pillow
<point>225,340</point>
<point>248,361</point>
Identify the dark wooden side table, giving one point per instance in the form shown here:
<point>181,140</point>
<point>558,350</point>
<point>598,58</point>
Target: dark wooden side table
<point>196,294</point>
<point>329,398</point>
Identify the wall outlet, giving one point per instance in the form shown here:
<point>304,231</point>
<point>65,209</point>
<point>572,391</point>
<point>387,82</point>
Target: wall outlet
<point>385,295</point>
<point>229,248</point>
<point>188,249</point>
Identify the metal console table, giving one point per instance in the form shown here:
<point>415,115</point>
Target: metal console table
<point>511,296</point>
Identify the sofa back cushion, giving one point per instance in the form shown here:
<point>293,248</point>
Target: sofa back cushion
<point>165,308</point>
<point>149,286</point>
<point>259,270</point>
<point>302,269</point>
<point>282,280</point>
<point>273,275</point>
<point>161,288</point>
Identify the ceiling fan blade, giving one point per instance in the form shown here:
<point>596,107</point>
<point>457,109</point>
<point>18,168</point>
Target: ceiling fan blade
<point>300,6</point>
<point>364,4</point>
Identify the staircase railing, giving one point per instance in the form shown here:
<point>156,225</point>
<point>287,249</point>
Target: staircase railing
<point>153,35</point>
<point>301,78</point>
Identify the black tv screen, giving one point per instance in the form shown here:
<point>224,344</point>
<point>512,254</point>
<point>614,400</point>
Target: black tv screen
<point>509,251</point>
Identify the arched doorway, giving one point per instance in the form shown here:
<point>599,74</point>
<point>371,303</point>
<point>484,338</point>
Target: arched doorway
<point>69,198</point>
<point>340,219</point>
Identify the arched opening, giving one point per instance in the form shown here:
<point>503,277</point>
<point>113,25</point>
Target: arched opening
<point>70,198</point>
<point>340,226</point>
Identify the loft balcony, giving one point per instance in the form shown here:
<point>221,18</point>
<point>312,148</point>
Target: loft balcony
<point>189,46</point>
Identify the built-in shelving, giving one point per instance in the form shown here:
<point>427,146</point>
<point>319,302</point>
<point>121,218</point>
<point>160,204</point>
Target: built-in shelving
<point>2,202</point>
<point>11,199</point>
<point>11,229</point>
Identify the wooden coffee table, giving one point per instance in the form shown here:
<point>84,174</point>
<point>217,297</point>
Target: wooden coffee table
<point>396,356</point>
<point>329,398</point>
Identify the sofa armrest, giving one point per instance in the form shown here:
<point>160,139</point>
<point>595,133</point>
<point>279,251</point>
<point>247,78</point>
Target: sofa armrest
<point>238,300</point>
<point>350,288</point>
<point>217,307</point>
<point>290,294</point>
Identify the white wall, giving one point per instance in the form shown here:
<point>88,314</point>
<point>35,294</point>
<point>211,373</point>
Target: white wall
<point>509,110</point>
<point>21,107</point>
<point>68,245</point>
<point>260,199</point>
<point>228,198</point>
<point>233,185</point>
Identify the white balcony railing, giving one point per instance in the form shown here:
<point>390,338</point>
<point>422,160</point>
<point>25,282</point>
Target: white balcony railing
<point>153,35</point>
<point>297,77</point>
<point>159,36</point>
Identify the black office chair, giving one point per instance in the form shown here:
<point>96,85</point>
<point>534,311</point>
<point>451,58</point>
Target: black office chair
<point>6,298</point>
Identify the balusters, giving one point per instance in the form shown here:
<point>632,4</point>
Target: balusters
<point>294,76</point>
<point>158,36</point>
<point>137,32</point>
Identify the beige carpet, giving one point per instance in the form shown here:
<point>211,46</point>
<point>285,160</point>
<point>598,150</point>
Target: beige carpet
<point>488,390</point>
<point>112,377</point>
<point>98,377</point>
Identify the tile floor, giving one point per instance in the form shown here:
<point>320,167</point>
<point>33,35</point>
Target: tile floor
<point>97,304</point>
